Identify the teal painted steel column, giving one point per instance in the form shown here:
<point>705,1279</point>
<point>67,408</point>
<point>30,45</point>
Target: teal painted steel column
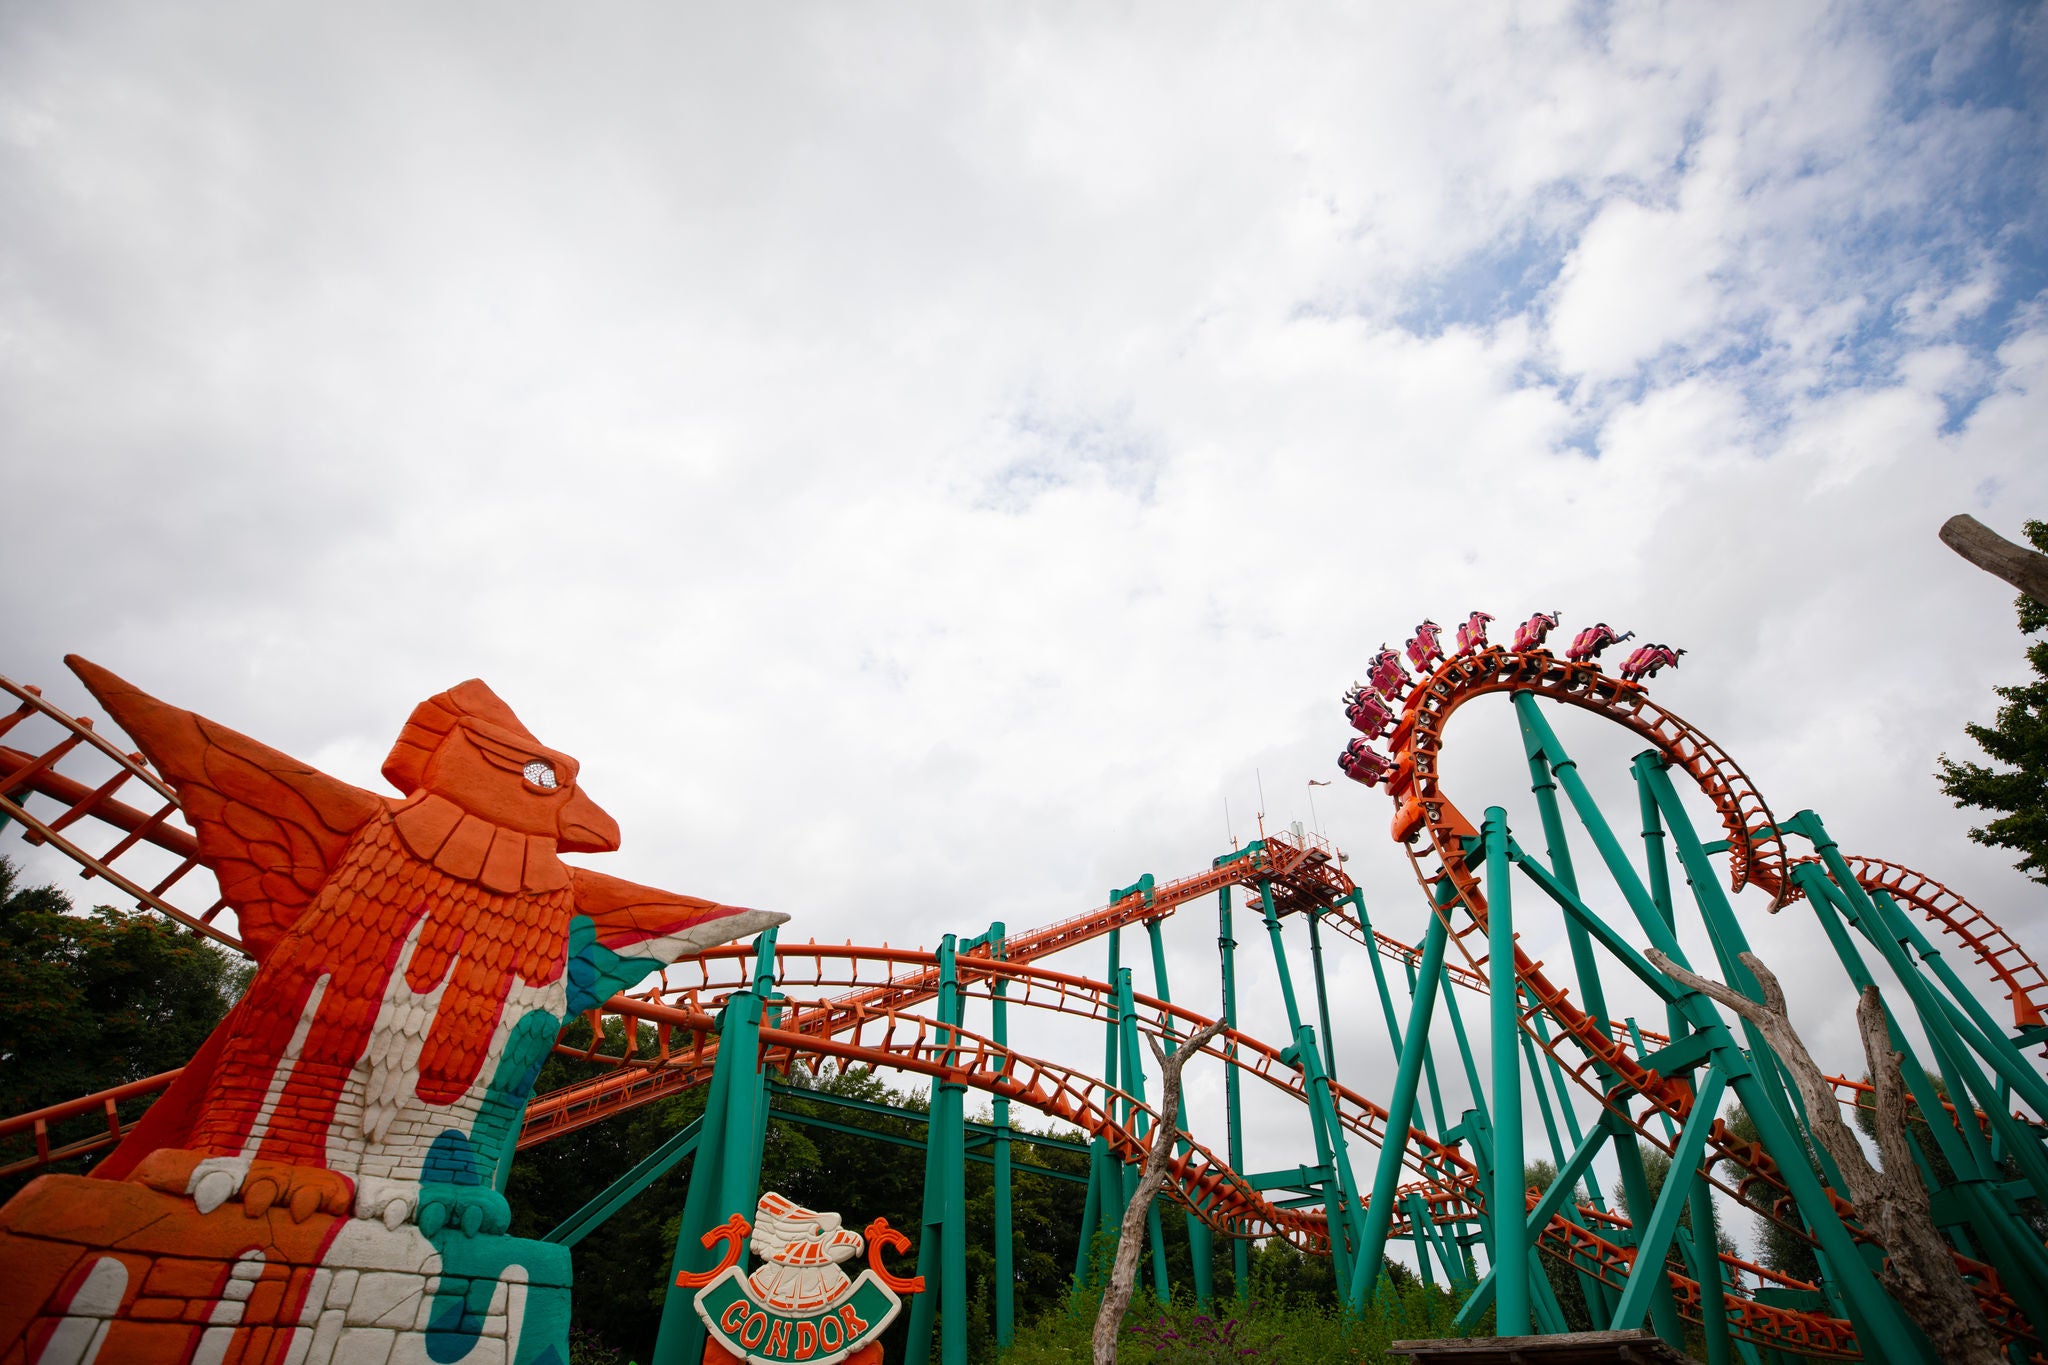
<point>1105,1205</point>
<point>1280,960</point>
<point>1465,1048</point>
<point>1006,1277</point>
<point>726,1175</point>
<point>942,1247</point>
<point>1511,1235</point>
<point>1879,1323</point>
<point>1339,1196</point>
<point>1315,953</point>
<point>1379,1210</point>
<point>1436,1094</point>
<point>1226,948</point>
<point>1140,1125</point>
<point>1201,1246</point>
<point>1379,973</point>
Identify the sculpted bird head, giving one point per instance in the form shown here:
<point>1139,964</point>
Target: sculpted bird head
<point>467,746</point>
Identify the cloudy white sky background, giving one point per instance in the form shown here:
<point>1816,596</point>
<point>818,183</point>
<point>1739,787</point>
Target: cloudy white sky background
<point>926,462</point>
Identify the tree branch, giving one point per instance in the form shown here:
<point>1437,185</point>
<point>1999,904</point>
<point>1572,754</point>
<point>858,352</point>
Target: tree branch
<point>2025,569</point>
<point>1123,1276</point>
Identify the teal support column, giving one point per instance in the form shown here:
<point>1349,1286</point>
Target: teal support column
<point>1558,851</point>
<point>1201,1245</point>
<point>1280,968</point>
<point>726,1175</point>
<point>1379,1210</point>
<point>1006,1276</point>
<point>1379,973</point>
<point>1339,1196</point>
<point>1511,1236</point>
<point>1703,1248</point>
<point>942,1247</point>
<point>1879,1323</point>
<point>1226,949</point>
<point>1105,1206</point>
<point>1315,953</point>
<point>1465,1056</point>
<point>1140,1125</point>
<point>1436,1094</point>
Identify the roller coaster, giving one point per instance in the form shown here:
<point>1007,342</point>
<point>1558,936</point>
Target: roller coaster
<point>1402,1171</point>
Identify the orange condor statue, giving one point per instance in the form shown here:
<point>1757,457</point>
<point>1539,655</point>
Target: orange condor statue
<point>321,1184</point>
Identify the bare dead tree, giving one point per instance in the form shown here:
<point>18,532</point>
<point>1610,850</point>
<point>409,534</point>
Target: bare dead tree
<point>1123,1275</point>
<point>1921,1275</point>
<point>2025,569</point>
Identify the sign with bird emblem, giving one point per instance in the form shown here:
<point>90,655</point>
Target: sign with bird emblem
<point>799,1305</point>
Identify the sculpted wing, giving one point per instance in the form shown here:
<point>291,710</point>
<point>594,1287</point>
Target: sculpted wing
<point>269,827</point>
<point>641,921</point>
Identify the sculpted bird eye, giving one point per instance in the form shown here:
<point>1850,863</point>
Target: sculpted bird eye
<point>541,774</point>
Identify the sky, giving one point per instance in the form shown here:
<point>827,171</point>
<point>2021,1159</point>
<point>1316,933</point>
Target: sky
<point>932,465</point>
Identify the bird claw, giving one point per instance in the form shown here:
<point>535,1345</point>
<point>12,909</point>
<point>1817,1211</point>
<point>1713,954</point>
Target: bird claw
<point>259,1186</point>
<point>473,1209</point>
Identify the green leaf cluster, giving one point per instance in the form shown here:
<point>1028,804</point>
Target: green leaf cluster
<point>2016,790</point>
<point>90,1001</point>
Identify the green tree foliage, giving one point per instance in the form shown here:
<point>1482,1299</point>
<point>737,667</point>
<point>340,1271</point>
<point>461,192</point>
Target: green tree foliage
<point>96,1000</point>
<point>2018,791</point>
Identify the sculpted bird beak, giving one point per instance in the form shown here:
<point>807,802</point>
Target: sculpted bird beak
<point>583,827</point>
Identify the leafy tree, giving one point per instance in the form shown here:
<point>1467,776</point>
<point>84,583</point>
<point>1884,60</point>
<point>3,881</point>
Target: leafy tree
<point>96,1000</point>
<point>2018,791</point>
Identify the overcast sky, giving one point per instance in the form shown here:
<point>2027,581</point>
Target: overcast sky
<point>926,461</point>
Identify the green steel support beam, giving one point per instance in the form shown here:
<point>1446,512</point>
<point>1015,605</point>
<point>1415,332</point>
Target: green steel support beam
<point>621,1192</point>
<point>1280,959</point>
<point>1552,1202</point>
<point>1226,949</point>
<point>1436,1096</point>
<point>1478,1089</point>
<point>1315,953</point>
<point>1341,1200</point>
<point>1379,1210</point>
<point>1508,1195</point>
<point>942,1248</point>
<point>1655,1241</point>
<point>1105,1206</point>
<point>1141,1124</point>
<point>725,1179</point>
<point>1006,1275</point>
<point>1379,971</point>
<point>1201,1245</point>
<point>1702,1251</point>
<point>1877,1319</point>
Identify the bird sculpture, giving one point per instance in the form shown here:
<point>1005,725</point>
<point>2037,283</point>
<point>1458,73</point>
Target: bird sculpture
<point>415,958</point>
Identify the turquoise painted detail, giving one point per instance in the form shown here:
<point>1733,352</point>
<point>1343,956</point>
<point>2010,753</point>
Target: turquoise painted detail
<point>594,974</point>
<point>450,1161</point>
<point>471,1268</point>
